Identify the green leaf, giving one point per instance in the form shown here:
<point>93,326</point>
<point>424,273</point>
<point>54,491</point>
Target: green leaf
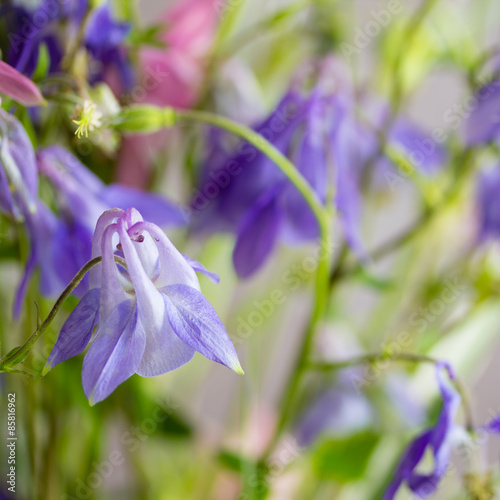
<point>344,460</point>
<point>234,462</point>
<point>43,63</point>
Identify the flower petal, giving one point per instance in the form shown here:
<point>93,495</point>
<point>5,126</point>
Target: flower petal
<point>195,321</point>
<point>257,235</point>
<point>115,354</point>
<point>200,268</point>
<point>77,330</point>
<point>153,208</point>
<point>18,87</point>
<point>163,350</point>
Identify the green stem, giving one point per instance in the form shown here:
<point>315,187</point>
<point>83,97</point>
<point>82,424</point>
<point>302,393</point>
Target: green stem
<point>294,176</point>
<point>20,354</point>
<point>263,145</point>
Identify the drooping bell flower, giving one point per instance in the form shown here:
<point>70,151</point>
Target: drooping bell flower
<point>247,194</point>
<point>82,197</point>
<point>18,172</point>
<point>18,87</point>
<point>19,199</point>
<point>440,440</point>
<point>149,313</point>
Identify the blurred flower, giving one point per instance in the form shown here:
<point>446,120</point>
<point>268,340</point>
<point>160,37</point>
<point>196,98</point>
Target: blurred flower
<point>18,173</point>
<point>253,197</point>
<point>31,24</point>
<point>337,412</point>
<point>170,76</point>
<point>440,439</point>
<point>104,39</point>
<point>489,203</point>
<point>150,314</point>
<point>53,23</point>
<point>321,133</point>
<point>483,123</point>
<point>18,87</point>
<point>19,198</point>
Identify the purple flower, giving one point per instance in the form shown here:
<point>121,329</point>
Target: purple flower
<point>253,198</point>
<point>104,38</point>
<point>52,23</point>
<point>483,124</point>
<point>32,24</point>
<point>245,193</point>
<point>489,204</point>
<point>18,172</point>
<point>149,313</point>
<point>19,198</point>
<point>440,439</point>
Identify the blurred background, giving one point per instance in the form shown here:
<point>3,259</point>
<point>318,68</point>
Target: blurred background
<point>198,432</point>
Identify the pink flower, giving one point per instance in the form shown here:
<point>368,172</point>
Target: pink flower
<point>169,77</point>
<point>18,87</point>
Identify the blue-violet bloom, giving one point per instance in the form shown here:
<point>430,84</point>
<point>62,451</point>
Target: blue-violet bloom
<point>440,439</point>
<point>149,313</point>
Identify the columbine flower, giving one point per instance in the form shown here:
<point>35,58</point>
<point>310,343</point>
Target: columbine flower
<point>18,87</point>
<point>440,439</point>
<point>90,119</point>
<point>18,173</point>
<point>244,192</point>
<point>150,318</point>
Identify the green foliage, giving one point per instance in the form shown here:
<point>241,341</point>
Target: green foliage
<point>344,460</point>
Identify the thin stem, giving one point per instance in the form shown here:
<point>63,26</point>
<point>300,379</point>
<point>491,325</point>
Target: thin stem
<point>405,357</point>
<point>19,355</point>
<point>295,177</point>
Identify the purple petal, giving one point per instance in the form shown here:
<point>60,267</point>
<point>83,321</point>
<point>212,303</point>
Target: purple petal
<point>423,152</point>
<point>409,461</point>
<point>163,350</point>
<point>483,124</point>
<point>200,268</point>
<point>352,150</point>
<point>115,354</point>
<point>77,330</point>
<point>18,87</point>
<point>257,235</point>
<point>196,323</point>
<point>489,203</point>
<point>154,208</point>
<point>18,162</point>
<point>441,439</point>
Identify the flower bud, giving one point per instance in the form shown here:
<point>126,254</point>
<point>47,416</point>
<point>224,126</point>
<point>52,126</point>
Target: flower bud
<point>144,119</point>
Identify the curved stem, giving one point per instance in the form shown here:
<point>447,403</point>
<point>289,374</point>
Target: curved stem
<point>294,176</point>
<point>263,145</point>
<point>20,354</point>
<point>405,357</point>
